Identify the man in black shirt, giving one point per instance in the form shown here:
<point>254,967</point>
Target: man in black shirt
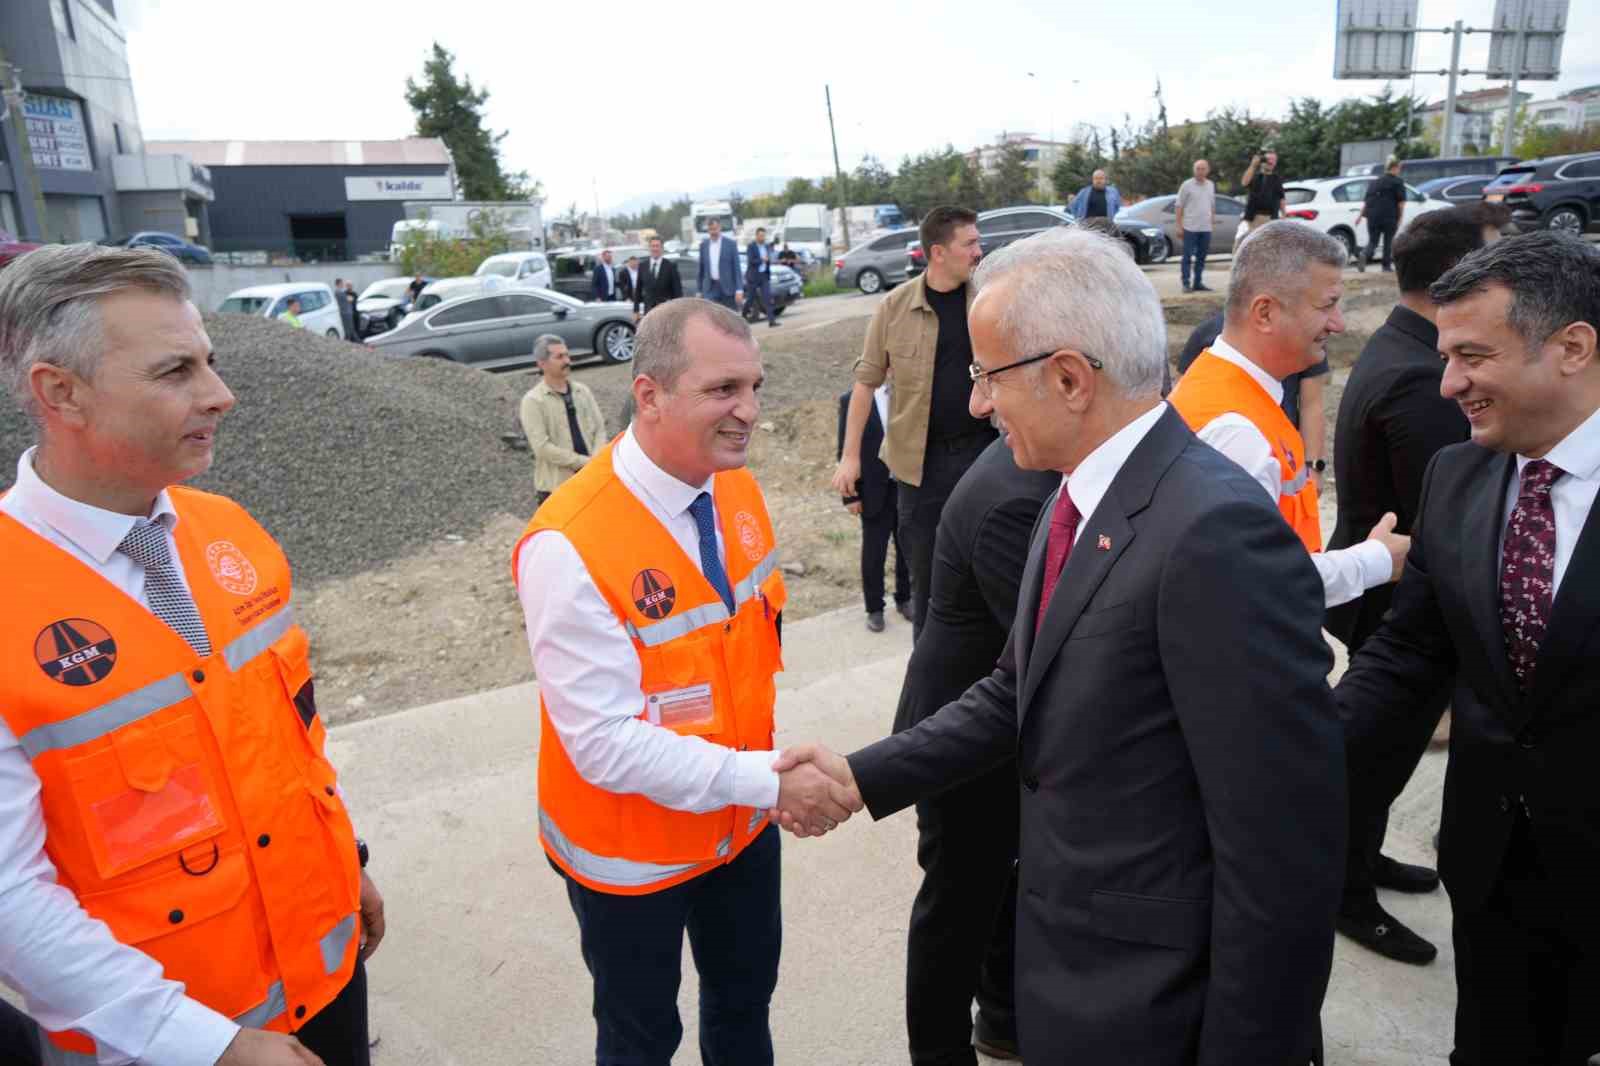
<point>1383,208</point>
<point>1265,185</point>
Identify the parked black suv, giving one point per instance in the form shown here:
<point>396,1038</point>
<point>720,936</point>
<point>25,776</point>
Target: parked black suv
<point>1560,193</point>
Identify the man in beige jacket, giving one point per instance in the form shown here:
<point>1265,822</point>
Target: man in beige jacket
<point>560,418</point>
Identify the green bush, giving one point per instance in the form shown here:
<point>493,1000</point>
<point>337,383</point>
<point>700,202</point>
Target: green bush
<point>421,252</point>
<point>822,284</point>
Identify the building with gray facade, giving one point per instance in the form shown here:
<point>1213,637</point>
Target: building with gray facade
<point>73,162</point>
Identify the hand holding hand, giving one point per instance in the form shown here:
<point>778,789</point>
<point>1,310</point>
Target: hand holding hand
<point>846,475</point>
<point>1397,544</point>
<point>257,1047</point>
<point>816,790</point>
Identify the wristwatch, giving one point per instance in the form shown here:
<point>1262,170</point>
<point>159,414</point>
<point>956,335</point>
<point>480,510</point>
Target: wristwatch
<point>1317,465</point>
<point>362,853</point>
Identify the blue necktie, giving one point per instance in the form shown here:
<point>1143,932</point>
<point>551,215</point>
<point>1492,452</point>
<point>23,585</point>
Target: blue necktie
<point>705,522</point>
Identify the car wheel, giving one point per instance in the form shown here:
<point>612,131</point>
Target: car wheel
<point>1349,239</point>
<point>334,334</point>
<point>1565,219</point>
<point>614,342</point>
<point>869,281</point>
<point>1160,249</point>
<point>1133,249</point>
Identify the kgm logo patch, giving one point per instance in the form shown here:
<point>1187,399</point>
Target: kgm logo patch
<point>230,567</point>
<point>654,594</point>
<point>75,651</point>
<point>750,538</point>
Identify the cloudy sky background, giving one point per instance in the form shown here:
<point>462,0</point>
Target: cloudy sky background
<point>604,101</point>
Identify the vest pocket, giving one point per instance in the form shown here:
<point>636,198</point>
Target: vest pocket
<point>144,795</point>
<point>681,682</point>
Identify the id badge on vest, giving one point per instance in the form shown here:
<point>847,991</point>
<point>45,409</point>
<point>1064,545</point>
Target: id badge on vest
<point>683,710</point>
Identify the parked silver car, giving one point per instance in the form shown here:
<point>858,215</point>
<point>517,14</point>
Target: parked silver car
<point>876,263</point>
<point>496,331</point>
<point>1163,211</point>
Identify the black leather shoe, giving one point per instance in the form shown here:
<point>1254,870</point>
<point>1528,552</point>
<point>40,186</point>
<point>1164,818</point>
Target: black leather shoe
<point>904,607</point>
<point>994,1044</point>
<point>1383,932</point>
<point>1201,288</point>
<point>875,621</point>
<point>1403,877</point>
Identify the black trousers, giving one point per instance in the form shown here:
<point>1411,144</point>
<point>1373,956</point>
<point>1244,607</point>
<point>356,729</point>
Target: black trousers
<point>1527,975</point>
<point>876,533</point>
<point>921,505</point>
<point>1371,796</point>
<point>1381,228</point>
<point>961,944</point>
<point>337,1034</point>
<point>19,1037</point>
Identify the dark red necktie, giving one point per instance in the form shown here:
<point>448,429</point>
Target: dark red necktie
<point>1528,568</point>
<point>1063,527</point>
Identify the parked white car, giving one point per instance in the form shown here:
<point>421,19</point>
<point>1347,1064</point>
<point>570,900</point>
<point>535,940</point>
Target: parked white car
<point>1332,204</point>
<point>319,311</point>
<point>520,270</point>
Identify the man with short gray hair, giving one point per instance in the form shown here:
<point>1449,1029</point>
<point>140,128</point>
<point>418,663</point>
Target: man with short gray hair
<point>1283,305</point>
<point>1196,208</point>
<point>162,900</point>
<point>559,417</point>
<point>1163,693</point>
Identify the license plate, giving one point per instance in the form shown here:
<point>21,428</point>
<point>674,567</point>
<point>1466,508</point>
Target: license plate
<point>1494,197</point>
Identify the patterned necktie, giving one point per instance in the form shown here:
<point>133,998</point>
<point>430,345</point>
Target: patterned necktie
<point>1063,527</point>
<point>1528,568</point>
<point>705,522</point>
<point>146,544</point>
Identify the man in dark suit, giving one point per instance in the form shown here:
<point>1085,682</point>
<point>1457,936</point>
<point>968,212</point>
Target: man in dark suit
<point>1163,692</point>
<point>603,283</point>
<point>961,943</point>
<point>1501,592</point>
<point>658,281</point>
<point>758,275</point>
<point>1391,422</point>
<point>720,278</point>
<point>874,503</point>
<point>628,279</point>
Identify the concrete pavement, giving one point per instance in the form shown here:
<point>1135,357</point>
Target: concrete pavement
<point>481,964</point>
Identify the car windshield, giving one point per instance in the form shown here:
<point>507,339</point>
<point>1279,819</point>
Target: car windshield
<point>506,268</point>
<point>389,288</point>
<point>245,305</point>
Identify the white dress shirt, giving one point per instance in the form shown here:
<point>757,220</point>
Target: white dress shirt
<point>69,968</point>
<point>1346,573</point>
<point>714,257</point>
<point>590,675</point>
<point>880,398</point>
<point>1087,484</point>
<point>1572,494</point>
<point>611,277</point>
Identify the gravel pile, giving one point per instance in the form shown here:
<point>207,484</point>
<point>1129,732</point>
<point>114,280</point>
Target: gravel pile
<point>350,458</point>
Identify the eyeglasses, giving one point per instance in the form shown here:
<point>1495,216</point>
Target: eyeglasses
<point>980,376</point>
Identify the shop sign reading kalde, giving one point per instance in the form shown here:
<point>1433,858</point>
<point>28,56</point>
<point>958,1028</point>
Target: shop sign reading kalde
<point>399,187</point>
<point>56,132</point>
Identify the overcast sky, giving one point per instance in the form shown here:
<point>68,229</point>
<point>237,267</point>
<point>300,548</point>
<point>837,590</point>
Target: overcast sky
<point>607,100</point>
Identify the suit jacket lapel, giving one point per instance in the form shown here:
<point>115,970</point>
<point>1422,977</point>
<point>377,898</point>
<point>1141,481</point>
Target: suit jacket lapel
<point>1481,564</point>
<point>1574,616</point>
<point>1028,592</point>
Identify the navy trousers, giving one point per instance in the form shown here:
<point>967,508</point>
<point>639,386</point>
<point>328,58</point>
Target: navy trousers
<point>1196,246</point>
<point>633,946</point>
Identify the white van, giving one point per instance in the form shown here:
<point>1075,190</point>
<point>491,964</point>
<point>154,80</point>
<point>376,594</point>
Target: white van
<point>521,270</point>
<point>319,310</point>
<point>809,227</point>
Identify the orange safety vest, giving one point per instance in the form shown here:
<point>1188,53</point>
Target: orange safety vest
<point>187,801</point>
<point>1213,387</point>
<point>703,673</point>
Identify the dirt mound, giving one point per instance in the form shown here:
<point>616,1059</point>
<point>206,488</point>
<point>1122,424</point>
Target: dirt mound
<point>348,457</point>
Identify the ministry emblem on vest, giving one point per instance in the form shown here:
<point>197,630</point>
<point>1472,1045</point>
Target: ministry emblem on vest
<point>230,567</point>
<point>75,651</point>
<point>750,538</point>
<point>654,594</point>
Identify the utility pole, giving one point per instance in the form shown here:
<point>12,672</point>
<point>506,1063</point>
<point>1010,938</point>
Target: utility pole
<point>1508,135</point>
<point>838,173</point>
<point>1448,130</point>
<point>28,184</point>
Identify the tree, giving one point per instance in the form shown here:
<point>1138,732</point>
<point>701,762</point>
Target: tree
<point>423,253</point>
<point>1234,137</point>
<point>1305,144</point>
<point>871,182</point>
<point>801,191</point>
<point>1076,166</point>
<point>1540,142</point>
<point>1011,181</point>
<point>933,178</point>
<point>452,110</point>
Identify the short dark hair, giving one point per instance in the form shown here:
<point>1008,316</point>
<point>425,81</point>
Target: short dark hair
<point>1434,243</point>
<point>1554,280</point>
<point>941,223</point>
<point>761,229</point>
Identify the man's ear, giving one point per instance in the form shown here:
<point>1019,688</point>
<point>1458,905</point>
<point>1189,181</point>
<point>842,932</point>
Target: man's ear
<point>646,398</point>
<point>1577,340</point>
<point>58,393</point>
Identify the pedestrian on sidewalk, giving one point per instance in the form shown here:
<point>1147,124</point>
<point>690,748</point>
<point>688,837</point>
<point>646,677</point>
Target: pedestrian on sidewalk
<point>873,501</point>
<point>1197,212</point>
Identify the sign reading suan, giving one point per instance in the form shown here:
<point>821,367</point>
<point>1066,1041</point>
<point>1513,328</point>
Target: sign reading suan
<point>56,132</point>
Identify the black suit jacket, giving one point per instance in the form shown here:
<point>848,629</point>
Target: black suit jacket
<point>876,486</point>
<point>600,287</point>
<point>1507,748</point>
<point>657,287</point>
<point>1391,422</point>
<point>625,284</point>
<point>978,558</point>
<point>1182,775</point>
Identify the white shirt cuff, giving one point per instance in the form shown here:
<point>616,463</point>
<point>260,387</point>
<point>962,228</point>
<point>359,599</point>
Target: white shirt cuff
<point>755,782</point>
<point>1376,566</point>
<point>192,1035</point>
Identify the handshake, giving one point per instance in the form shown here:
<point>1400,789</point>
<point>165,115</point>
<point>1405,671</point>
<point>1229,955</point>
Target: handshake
<point>816,790</point>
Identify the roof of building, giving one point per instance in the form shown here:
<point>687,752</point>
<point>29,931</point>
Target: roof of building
<point>1582,93</point>
<point>408,151</point>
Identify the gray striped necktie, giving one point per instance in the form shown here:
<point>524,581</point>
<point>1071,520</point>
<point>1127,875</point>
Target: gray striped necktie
<point>146,544</point>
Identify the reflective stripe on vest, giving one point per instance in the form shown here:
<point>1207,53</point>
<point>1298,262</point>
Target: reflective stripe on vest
<point>709,614</point>
<point>335,942</point>
<point>1293,486</point>
<point>254,1018</point>
<point>611,871</point>
<point>156,696</point>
